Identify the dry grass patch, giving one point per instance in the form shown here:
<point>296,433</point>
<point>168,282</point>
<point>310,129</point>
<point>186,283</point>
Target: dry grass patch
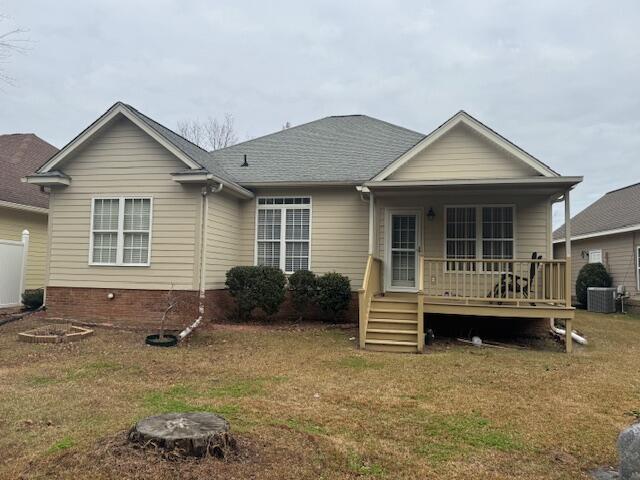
<point>306,404</point>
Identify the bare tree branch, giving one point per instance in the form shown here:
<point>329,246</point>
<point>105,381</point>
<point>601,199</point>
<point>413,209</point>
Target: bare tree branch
<point>11,43</point>
<point>211,134</point>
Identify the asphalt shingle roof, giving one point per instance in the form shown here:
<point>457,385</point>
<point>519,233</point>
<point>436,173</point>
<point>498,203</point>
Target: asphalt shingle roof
<point>349,148</point>
<point>616,209</point>
<point>21,154</point>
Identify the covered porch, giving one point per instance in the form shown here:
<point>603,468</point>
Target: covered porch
<point>479,248</point>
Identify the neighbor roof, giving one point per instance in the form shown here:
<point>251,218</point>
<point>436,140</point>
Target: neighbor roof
<point>618,209</point>
<point>350,149</point>
<point>21,154</point>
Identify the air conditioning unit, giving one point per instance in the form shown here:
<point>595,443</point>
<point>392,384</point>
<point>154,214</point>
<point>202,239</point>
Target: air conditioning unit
<point>601,299</point>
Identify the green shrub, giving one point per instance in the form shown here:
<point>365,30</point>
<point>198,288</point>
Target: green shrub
<point>334,293</point>
<point>303,285</point>
<point>33,299</point>
<point>591,275</point>
<point>256,287</point>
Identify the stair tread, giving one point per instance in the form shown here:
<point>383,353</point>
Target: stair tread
<point>391,342</point>
<point>391,310</point>
<point>392,320</point>
<point>394,300</point>
<point>386,330</point>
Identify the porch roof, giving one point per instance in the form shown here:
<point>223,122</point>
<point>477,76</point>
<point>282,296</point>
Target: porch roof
<point>550,185</point>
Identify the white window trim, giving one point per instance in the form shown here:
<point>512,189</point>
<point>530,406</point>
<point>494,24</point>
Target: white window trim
<point>596,250</point>
<point>283,231</point>
<point>479,238</point>
<point>120,233</point>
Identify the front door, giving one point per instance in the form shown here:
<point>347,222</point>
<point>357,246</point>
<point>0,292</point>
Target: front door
<point>403,250</point>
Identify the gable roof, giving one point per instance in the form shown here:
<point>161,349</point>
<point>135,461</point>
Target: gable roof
<point>21,154</point>
<point>340,149</point>
<point>349,149</point>
<point>192,155</point>
<point>196,153</point>
<point>615,212</point>
<point>463,118</point>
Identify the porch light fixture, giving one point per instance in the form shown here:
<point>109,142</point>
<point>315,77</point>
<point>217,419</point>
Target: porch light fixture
<point>431,214</point>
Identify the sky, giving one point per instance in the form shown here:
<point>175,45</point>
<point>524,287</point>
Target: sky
<point>559,79</point>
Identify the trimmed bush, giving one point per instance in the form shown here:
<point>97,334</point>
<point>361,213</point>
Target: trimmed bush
<point>334,293</point>
<point>256,287</point>
<point>33,299</point>
<point>591,275</point>
<point>303,285</point>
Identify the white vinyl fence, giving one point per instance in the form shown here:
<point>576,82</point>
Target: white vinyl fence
<point>13,261</point>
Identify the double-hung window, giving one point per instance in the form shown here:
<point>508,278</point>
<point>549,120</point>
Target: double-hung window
<point>120,231</point>
<point>485,232</point>
<point>283,232</point>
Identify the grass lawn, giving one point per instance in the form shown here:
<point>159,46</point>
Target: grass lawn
<point>305,403</point>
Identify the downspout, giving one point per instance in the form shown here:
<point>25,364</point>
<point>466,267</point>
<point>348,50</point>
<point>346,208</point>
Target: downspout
<point>365,190</point>
<point>203,260</point>
<point>562,332</point>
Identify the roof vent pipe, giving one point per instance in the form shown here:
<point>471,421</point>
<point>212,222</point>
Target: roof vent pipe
<point>244,163</point>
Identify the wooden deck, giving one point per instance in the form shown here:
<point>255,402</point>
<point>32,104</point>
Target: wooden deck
<point>392,321</point>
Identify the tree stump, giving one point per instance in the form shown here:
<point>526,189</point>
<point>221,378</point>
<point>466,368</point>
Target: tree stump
<point>191,434</point>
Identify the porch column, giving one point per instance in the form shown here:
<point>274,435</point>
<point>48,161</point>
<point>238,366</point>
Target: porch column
<point>567,288</point>
<point>372,224</point>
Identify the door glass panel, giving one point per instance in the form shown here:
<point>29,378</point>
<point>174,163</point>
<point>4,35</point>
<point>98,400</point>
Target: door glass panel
<point>403,250</point>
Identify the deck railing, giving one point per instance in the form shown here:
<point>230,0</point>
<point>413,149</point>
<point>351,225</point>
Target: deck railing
<point>496,281</point>
<point>371,285</point>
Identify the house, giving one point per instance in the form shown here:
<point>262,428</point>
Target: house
<point>22,207</point>
<point>607,231</point>
<point>442,223</point>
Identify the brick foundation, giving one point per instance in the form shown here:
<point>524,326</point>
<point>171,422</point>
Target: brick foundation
<point>128,308</point>
<point>144,308</point>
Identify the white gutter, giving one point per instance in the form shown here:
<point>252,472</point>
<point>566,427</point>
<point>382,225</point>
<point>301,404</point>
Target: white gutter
<point>301,184</point>
<point>549,181</point>
<point>372,212</point>
<point>631,228</point>
<point>26,208</point>
<point>205,177</point>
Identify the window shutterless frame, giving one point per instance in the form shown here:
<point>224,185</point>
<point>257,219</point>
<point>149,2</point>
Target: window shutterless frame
<point>120,235</point>
<point>283,225</point>
<point>479,238</point>
<point>595,256</point>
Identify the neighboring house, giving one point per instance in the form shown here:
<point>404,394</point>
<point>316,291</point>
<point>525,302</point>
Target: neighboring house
<point>22,207</point>
<point>138,211</point>
<point>607,231</point>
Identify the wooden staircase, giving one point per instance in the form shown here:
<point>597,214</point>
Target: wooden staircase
<point>393,324</point>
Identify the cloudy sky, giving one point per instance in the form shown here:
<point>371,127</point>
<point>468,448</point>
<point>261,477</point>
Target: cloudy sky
<point>560,79</point>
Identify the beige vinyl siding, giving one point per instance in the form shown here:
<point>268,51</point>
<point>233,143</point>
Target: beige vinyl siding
<point>618,256</point>
<point>223,235</point>
<point>532,233</point>
<point>12,223</point>
<point>339,230</point>
<point>123,160</point>
<point>462,154</point>
<point>531,229</point>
